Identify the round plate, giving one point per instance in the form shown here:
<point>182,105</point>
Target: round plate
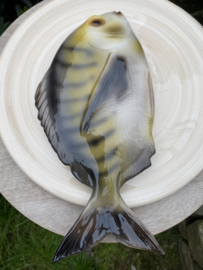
<point>173,43</point>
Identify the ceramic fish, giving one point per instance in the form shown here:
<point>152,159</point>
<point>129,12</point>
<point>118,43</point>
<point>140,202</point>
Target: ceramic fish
<point>95,104</point>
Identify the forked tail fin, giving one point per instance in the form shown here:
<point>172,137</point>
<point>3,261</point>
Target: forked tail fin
<point>96,222</point>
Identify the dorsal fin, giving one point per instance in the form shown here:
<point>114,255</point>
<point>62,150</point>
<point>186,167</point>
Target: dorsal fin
<point>46,113</point>
<point>46,101</point>
<point>49,100</point>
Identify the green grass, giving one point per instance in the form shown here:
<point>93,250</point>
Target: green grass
<point>25,245</point>
<point>117,256</point>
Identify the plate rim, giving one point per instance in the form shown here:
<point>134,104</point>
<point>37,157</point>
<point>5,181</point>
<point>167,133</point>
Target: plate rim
<point>3,55</point>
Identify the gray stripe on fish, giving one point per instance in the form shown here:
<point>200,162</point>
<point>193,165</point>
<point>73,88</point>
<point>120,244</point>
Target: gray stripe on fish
<point>95,141</point>
<point>109,171</point>
<point>68,117</point>
<point>71,85</point>
<point>83,66</point>
<point>95,124</point>
<point>78,84</point>
<point>78,99</point>
<point>70,129</point>
<point>106,157</point>
<point>74,66</point>
<point>77,49</point>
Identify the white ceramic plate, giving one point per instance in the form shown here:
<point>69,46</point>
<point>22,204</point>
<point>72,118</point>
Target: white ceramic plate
<point>173,43</point>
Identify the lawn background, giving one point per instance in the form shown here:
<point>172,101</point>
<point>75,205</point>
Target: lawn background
<point>25,245</point>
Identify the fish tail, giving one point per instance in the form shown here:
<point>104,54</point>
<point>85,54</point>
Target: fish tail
<point>97,222</point>
<point>88,230</point>
<point>127,229</point>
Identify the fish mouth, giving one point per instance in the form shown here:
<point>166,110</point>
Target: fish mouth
<point>112,35</point>
<point>119,13</point>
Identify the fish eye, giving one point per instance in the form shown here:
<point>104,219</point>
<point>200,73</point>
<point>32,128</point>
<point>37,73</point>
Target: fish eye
<point>97,22</point>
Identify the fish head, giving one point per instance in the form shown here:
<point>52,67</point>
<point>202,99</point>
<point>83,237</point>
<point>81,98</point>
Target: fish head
<point>108,31</point>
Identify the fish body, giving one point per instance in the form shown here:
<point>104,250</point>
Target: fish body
<point>96,106</point>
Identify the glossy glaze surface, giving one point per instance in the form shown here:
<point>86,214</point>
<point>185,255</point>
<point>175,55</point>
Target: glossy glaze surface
<point>96,106</point>
<point>96,102</point>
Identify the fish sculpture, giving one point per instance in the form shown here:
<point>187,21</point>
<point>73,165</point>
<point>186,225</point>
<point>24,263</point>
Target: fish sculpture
<point>96,106</point>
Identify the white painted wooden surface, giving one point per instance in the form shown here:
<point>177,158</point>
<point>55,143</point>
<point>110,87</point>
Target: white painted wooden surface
<point>58,216</point>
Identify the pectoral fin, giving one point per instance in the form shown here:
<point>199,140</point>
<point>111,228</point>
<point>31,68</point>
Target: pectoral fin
<point>111,85</point>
